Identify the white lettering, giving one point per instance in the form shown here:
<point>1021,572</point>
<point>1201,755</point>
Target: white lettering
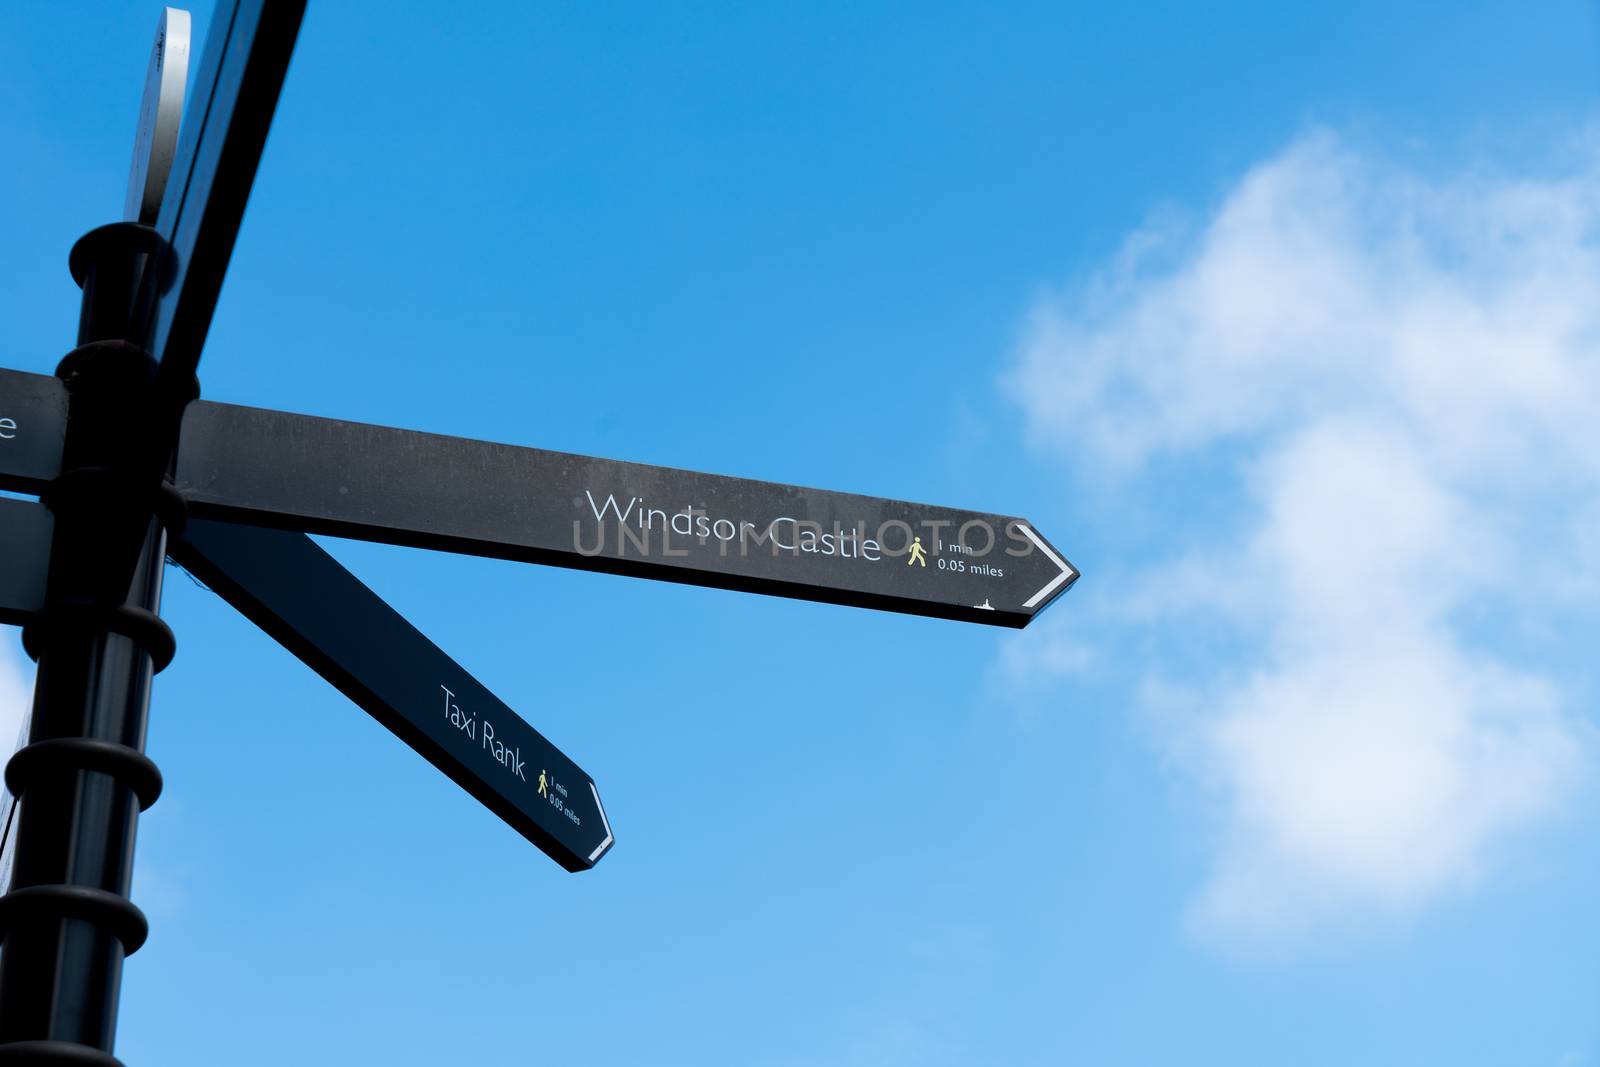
<point>785,533</point>
<point>508,757</point>
<point>611,506</point>
<point>773,534</point>
<point>467,724</point>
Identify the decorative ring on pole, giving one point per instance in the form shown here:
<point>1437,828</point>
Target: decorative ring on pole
<point>129,767</point>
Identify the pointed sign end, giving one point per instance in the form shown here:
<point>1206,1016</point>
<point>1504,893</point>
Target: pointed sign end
<point>1066,574</point>
<point>610,838</point>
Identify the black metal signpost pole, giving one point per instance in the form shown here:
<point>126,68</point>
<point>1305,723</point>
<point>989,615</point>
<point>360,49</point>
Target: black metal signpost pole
<point>83,777</point>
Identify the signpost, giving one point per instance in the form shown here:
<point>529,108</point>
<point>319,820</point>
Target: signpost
<point>123,457</point>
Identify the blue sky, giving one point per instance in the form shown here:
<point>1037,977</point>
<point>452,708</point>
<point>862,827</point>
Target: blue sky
<point>1278,321</point>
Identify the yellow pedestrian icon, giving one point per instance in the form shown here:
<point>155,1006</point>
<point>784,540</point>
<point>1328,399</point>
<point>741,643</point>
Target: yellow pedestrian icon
<point>544,785</point>
<point>917,555</point>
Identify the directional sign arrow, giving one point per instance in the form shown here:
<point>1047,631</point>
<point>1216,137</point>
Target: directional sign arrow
<point>404,487</point>
<point>302,597</point>
<point>272,468</point>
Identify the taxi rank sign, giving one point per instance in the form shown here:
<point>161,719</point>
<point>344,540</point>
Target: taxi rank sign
<point>129,466</point>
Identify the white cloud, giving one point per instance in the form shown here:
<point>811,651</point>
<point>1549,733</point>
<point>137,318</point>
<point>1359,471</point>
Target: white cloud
<point>1396,381</point>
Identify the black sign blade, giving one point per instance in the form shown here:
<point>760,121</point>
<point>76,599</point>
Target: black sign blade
<point>223,133</point>
<point>25,528</point>
<point>286,584</point>
<point>350,479</point>
<point>33,426</point>
<point>297,472</point>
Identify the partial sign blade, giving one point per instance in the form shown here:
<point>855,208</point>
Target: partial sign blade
<point>156,142</point>
<point>25,528</point>
<point>33,428</point>
<point>224,131</point>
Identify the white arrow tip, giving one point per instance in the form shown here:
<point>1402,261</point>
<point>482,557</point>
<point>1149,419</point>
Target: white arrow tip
<point>1068,571</point>
<point>601,808</point>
